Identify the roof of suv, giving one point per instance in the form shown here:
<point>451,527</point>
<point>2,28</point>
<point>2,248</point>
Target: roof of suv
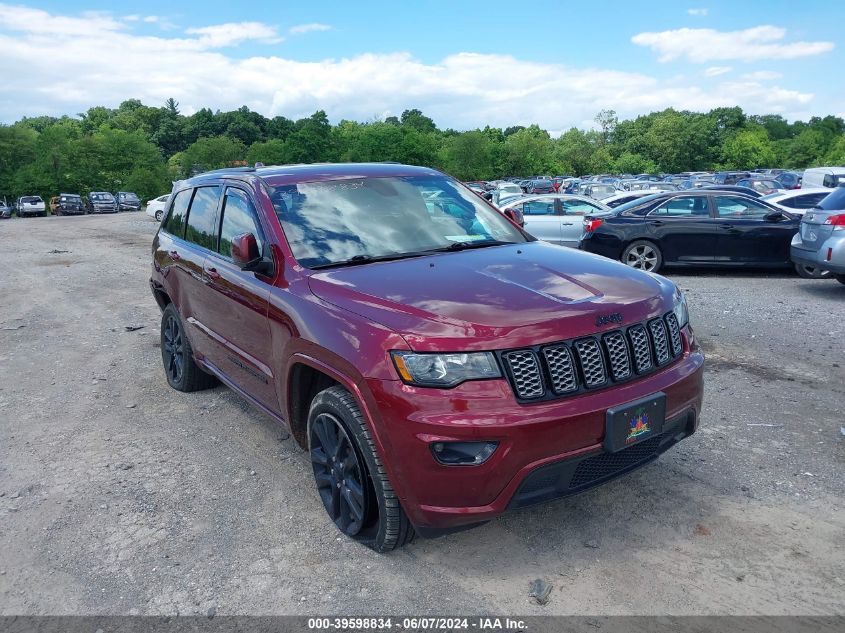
<point>291,174</point>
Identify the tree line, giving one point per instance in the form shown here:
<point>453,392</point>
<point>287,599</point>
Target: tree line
<point>141,148</point>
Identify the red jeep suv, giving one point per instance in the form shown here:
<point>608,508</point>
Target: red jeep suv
<point>439,364</point>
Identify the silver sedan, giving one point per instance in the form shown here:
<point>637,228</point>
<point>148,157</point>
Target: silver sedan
<point>556,218</point>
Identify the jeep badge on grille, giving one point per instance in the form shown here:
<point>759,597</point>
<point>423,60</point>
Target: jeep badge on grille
<point>604,319</point>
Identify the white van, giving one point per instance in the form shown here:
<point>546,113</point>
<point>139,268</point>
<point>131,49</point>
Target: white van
<point>823,177</point>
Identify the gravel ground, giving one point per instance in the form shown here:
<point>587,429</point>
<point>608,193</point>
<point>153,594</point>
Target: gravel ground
<point>119,495</point>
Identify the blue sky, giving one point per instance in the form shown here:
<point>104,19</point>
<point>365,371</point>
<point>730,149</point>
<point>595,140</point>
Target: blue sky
<point>466,64</point>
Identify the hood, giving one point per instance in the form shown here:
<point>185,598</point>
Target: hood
<point>497,297</point>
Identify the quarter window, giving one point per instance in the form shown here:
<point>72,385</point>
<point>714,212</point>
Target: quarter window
<point>202,218</point>
<point>175,224</point>
<point>742,208</point>
<point>238,218</point>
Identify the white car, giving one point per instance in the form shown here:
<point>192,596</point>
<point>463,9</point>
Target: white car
<point>797,201</point>
<point>556,218</point>
<point>31,205</point>
<point>504,190</point>
<point>155,207</point>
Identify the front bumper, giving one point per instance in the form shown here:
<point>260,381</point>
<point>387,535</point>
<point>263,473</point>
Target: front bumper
<point>553,438</point>
<point>829,256</point>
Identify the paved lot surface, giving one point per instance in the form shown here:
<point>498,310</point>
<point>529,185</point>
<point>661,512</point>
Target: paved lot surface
<point>119,495</point>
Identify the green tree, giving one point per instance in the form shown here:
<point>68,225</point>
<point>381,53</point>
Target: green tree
<point>211,153</point>
<point>272,152</point>
<point>748,149</point>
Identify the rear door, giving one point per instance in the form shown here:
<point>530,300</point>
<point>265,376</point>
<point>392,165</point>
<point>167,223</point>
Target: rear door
<point>747,237</point>
<point>542,219</point>
<point>572,222</point>
<point>238,303</point>
<point>200,241</point>
<point>684,229</point>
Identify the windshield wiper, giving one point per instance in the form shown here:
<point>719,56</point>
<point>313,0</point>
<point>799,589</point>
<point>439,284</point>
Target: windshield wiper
<point>462,246</point>
<point>357,260</point>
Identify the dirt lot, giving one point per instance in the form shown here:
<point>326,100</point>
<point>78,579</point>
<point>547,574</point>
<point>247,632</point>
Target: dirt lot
<point>119,495</point>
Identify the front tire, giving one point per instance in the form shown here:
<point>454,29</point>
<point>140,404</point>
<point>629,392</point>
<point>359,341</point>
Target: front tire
<point>643,255</point>
<point>840,279</point>
<point>180,368</point>
<point>350,477</point>
<point>812,272</point>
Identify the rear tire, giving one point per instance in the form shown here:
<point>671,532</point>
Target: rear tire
<point>812,272</point>
<point>180,368</point>
<point>350,477</point>
<point>840,279</point>
<point>643,255</point>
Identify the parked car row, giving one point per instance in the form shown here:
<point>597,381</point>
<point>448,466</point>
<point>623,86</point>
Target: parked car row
<point>753,223</point>
<point>72,204</point>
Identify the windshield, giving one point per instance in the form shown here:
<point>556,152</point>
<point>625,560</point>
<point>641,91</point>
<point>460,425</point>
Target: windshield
<point>341,221</point>
<point>102,197</point>
<point>31,200</point>
<point>131,197</point>
<point>636,202</point>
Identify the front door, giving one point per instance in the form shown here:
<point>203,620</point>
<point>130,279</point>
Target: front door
<point>239,300</point>
<point>684,230</point>
<point>747,237</point>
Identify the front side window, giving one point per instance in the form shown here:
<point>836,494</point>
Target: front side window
<point>742,208</point>
<point>175,224</point>
<point>539,207</point>
<point>343,221</point>
<point>202,218</point>
<point>238,218</point>
<point>685,207</point>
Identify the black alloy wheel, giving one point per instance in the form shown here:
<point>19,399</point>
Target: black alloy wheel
<point>339,473</point>
<point>173,349</point>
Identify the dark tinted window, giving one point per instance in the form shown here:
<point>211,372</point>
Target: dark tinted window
<point>202,218</point>
<point>238,218</point>
<point>807,201</point>
<point>175,223</point>
<point>834,201</point>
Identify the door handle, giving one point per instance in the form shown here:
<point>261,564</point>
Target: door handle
<point>656,222</point>
<point>212,273</point>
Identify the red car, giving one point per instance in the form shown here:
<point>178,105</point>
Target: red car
<point>439,364</point>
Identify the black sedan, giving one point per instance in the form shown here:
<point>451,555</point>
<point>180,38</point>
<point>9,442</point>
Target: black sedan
<point>693,228</point>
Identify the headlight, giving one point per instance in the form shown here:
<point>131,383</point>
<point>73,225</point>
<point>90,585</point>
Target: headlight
<point>444,370</point>
<point>679,307</point>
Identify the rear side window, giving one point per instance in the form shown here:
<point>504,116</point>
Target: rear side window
<point>175,224</point>
<point>238,218</point>
<point>683,207</point>
<point>202,218</point>
<point>579,207</point>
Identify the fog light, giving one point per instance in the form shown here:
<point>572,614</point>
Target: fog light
<point>463,453</point>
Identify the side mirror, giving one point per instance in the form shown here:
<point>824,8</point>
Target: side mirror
<point>245,251</point>
<point>774,216</point>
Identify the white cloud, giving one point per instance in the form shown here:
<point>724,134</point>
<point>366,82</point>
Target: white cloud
<point>698,12</point>
<point>763,75</point>
<point>455,91</point>
<point>715,71</point>
<point>234,33</point>
<point>300,29</point>
<point>704,45</point>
